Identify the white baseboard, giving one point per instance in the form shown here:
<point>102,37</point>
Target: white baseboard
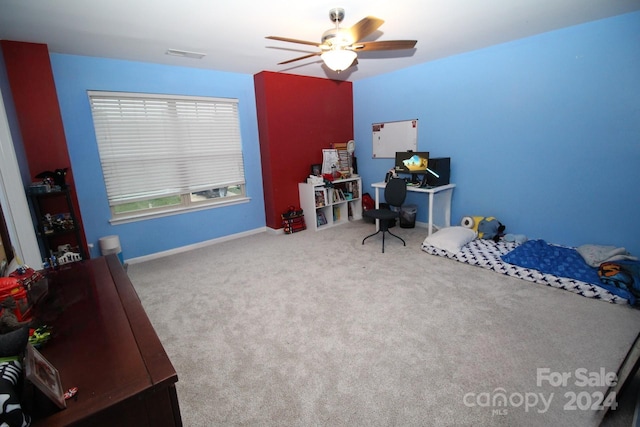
<point>425,225</point>
<point>181,249</point>
<point>275,231</point>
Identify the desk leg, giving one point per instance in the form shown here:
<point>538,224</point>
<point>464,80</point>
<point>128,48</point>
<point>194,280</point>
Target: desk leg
<point>447,207</point>
<point>377,207</point>
<point>444,198</point>
<point>430,224</point>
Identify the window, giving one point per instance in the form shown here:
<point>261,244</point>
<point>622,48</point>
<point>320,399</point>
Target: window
<point>163,154</point>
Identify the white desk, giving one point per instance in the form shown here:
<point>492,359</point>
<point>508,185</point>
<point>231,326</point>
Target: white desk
<point>444,197</point>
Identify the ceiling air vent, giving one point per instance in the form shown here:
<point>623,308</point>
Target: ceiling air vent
<point>185,53</point>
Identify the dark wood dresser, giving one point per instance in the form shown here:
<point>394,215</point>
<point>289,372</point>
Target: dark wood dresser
<point>104,344</point>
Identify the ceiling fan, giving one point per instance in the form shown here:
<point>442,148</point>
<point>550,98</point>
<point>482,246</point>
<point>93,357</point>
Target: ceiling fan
<point>339,46</point>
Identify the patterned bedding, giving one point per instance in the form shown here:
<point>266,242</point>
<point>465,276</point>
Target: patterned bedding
<point>488,254</point>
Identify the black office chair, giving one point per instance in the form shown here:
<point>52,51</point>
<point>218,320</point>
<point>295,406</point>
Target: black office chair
<point>394,194</point>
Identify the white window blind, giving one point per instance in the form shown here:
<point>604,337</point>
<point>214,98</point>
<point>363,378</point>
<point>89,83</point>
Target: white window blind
<point>157,145</point>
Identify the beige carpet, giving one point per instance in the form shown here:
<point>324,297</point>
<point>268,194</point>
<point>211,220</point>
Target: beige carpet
<point>315,328</point>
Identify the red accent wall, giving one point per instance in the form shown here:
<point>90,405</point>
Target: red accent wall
<point>36,102</point>
<point>298,116</point>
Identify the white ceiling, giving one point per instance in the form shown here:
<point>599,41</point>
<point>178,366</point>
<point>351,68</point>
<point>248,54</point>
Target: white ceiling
<point>232,33</point>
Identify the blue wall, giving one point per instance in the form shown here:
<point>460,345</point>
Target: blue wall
<point>543,132</point>
<point>74,75</point>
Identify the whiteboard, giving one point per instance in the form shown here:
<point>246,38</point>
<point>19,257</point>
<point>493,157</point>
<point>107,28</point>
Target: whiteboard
<point>390,137</point>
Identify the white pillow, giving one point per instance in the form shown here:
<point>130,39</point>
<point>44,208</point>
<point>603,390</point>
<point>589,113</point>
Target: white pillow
<point>451,239</point>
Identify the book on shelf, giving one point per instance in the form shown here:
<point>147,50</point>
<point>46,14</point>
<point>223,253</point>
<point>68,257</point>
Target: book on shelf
<point>321,219</point>
<point>344,164</point>
<point>353,188</point>
<point>338,195</point>
<point>320,199</point>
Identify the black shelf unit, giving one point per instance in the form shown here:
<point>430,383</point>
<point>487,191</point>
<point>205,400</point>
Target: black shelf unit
<point>52,234</point>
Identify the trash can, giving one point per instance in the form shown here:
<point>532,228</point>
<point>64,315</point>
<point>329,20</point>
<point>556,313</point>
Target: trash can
<point>111,245</point>
<point>408,216</point>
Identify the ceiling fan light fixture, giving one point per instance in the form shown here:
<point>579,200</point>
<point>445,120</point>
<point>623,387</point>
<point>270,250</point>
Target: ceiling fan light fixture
<point>338,60</point>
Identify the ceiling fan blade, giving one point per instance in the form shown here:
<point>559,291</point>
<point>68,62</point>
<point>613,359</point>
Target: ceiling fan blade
<point>384,45</point>
<point>285,39</point>
<point>298,59</point>
<point>365,27</point>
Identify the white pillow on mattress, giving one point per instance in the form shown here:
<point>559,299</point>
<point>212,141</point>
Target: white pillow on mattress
<point>451,239</point>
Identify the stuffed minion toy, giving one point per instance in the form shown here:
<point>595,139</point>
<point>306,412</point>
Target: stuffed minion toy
<point>487,227</point>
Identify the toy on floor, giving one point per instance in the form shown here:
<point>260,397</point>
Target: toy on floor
<point>623,274</point>
<point>517,238</point>
<point>487,227</point>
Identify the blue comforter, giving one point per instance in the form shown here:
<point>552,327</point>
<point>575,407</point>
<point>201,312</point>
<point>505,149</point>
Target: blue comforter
<point>560,261</point>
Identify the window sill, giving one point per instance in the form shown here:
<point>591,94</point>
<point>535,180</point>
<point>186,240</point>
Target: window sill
<point>123,219</point>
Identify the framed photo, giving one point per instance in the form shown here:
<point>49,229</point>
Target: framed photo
<point>316,170</point>
<point>44,376</point>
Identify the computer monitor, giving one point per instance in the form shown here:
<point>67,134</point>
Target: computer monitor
<point>414,162</point>
<point>417,164</point>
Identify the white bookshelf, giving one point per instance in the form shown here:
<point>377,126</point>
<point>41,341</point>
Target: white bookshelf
<point>326,206</point>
